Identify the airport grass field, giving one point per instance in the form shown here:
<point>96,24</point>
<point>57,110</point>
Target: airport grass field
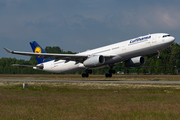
<point>91,77</point>
<point>43,100</point>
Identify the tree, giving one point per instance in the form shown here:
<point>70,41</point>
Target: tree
<point>55,49</point>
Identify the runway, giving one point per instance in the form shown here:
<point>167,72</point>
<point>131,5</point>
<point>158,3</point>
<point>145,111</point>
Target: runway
<point>92,81</point>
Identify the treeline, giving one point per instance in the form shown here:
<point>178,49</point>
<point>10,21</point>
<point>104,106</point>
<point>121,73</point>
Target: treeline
<point>168,64</point>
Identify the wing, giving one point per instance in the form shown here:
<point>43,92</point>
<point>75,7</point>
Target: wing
<point>68,57</point>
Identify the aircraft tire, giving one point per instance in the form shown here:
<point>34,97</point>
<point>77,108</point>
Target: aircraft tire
<point>85,75</point>
<point>108,75</point>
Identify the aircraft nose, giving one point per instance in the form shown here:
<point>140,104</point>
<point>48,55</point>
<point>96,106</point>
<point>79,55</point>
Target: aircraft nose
<point>172,39</point>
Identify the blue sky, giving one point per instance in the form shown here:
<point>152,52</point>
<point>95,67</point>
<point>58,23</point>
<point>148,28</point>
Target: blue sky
<point>79,25</point>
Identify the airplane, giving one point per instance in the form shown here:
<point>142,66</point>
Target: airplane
<point>130,51</point>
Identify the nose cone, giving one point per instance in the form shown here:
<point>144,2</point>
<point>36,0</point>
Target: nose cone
<point>171,39</point>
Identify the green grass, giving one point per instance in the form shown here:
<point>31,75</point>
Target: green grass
<point>88,101</point>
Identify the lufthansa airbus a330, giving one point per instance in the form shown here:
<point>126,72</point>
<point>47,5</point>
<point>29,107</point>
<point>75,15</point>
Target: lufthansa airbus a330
<point>129,51</point>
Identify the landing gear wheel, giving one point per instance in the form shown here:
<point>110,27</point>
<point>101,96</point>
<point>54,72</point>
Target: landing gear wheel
<point>85,75</point>
<point>89,71</point>
<point>108,75</point>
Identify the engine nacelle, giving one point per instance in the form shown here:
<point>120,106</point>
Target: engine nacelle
<point>135,62</point>
<point>94,61</point>
<point>39,67</point>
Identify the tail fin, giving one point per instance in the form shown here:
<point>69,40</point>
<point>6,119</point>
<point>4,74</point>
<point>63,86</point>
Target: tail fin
<point>37,49</point>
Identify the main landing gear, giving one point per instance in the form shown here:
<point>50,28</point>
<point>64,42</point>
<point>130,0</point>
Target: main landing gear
<point>110,72</point>
<point>159,54</point>
<point>88,71</point>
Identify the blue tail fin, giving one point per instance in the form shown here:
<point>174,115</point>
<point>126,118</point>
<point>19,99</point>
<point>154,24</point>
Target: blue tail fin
<point>37,49</point>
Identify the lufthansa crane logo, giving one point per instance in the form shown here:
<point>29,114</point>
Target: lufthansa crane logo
<point>37,50</point>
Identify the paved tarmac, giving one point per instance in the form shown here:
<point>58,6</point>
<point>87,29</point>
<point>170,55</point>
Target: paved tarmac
<point>93,81</point>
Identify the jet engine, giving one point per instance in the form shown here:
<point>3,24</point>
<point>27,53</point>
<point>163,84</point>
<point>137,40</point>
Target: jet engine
<point>40,67</point>
<point>135,62</point>
<point>94,61</point>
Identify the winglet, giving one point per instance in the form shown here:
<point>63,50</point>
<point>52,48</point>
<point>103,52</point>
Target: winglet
<point>9,51</point>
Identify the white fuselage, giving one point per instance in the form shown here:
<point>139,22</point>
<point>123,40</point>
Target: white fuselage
<point>121,51</point>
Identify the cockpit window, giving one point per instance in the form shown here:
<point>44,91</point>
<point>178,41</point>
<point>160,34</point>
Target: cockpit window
<point>166,36</point>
